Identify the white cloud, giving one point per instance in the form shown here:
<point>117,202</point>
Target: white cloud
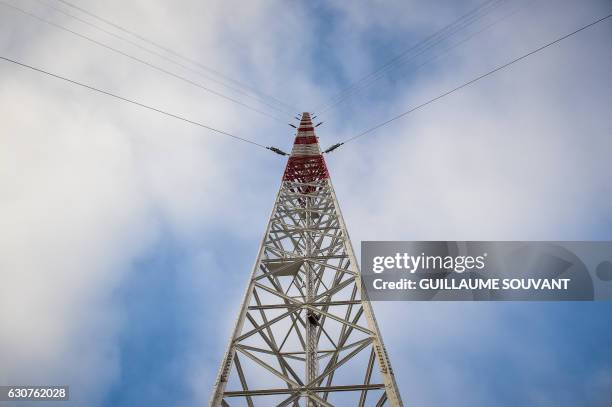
<point>87,181</point>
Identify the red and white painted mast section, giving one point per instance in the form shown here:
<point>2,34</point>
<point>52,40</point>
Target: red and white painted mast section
<point>306,163</point>
<point>306,142</point>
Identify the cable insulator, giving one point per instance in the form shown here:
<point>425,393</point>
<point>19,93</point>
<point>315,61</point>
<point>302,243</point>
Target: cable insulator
<point>277,150</point>
<point>332,148</point>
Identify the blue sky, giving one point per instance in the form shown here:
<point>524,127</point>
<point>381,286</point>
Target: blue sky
<point>131,236</point>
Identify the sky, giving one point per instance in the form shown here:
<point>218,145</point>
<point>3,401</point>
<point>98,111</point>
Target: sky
<point>128,236</point>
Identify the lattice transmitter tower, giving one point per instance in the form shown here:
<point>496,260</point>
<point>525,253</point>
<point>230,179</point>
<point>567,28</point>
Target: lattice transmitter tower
<point>306,333</point>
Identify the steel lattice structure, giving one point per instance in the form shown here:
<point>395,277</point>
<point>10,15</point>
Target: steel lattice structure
<point>306,333</point>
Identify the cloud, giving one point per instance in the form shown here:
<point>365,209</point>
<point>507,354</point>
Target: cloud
<point>515,156</point>
<point>96,193</point>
